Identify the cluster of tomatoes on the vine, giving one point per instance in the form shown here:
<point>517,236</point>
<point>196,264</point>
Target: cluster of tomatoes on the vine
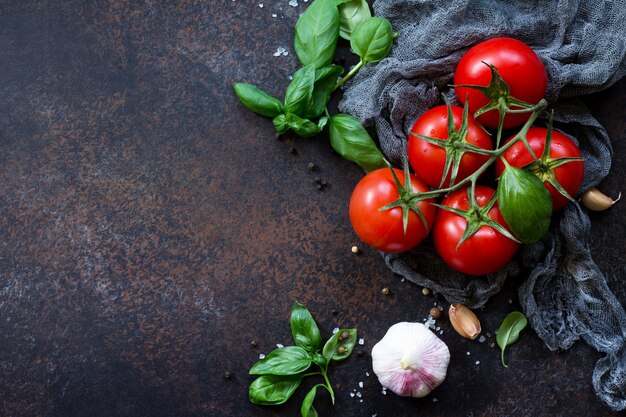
<point>500,82</point>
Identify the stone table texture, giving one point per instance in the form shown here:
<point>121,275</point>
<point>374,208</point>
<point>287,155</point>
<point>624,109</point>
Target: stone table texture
<point>151,228</point>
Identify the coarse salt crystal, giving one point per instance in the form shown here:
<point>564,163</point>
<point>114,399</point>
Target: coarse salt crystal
<point>360,384</point>
<point>477,362</point>
<point>435,400</point>
<point>293,3</point>
<point>274,15</point>
<point>261,356</point>
<point>367,373</point>
<point>358,394</point>
<point>482,339</point>
<point>261,5</point>
<point>336,329</point>
<point>279,51</point>
<point>468,353</point>
<point>361,341</point>
<point>278,345</point>
<point>352,394</point>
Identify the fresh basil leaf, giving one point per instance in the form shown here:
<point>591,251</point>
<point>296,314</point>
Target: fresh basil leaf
<point>351,13</point>
<point>317,31</point>
<point>303,127</point>
<point>372,38</point>
<point>288,360</point>
<point>509,331</point>
<point>258,100</point>
<point>299,94</point>
<point>280,123</point>
<point>273,389</point>
<point>307,409</point>
<point>304,330</point>
<point>338,348</point>
<point>349,139</point>
<point>525,204</point>
<point>319,360</point>
<point>325,80</point>
<point>340,2</point>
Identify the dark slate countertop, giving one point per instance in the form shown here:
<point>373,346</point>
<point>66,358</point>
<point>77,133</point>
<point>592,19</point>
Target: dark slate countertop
<point>151,228</point>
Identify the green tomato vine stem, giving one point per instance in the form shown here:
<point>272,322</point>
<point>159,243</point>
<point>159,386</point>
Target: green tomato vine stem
<point>494,155</point>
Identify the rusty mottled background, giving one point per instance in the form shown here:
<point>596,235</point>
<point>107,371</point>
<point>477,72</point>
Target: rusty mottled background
<point>151,227</point>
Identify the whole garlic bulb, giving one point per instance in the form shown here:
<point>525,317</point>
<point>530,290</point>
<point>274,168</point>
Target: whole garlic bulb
<point>410,360</point>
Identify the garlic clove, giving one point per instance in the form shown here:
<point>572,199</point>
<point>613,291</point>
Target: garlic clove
<point>595,200</point>
<point>410,360</point>
<point>464,321</point>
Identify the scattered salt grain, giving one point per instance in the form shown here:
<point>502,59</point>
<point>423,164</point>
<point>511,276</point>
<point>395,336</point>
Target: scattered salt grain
<point>360,384</point>
<point>510,301</point>
<point>261,356</point>
<point>358,394</point>
<point>293,3</point>
<point>430,322</point>
<point>482,339</point>
<point>435,400</point>
<point>261,5</point>
<point>477,362</point>
<point>281,51</point>
<point>468,353</point>
<point>278,345</point>
<point>352,394</point>
<point>335,330</point>
<point>367,373</point>
<point>361,341</point>
<point>274,15</point>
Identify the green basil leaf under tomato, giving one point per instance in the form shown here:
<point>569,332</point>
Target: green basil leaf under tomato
<point>304,330</point>
<point>258,100</point>
<point>525,204</point>
<point>351,13</point>
<point>307,409</point>
<point>273,389</point>
<point>338,347</point>
<point>371,39</point>
<point>317,31</point>
<point>288,360</point>
<point>299,93</point>
<point>349,139</point>
<point>509,331</point>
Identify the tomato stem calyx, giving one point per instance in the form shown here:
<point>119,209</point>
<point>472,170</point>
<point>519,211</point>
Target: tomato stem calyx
<point>499,95</point>
<point>477,216</point>
<point>408,199</point>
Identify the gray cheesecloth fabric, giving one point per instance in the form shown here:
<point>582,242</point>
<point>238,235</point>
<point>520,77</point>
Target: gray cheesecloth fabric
<point>583,46</point>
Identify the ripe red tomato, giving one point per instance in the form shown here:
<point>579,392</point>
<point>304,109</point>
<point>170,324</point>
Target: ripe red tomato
<point>383,229</point>
<point>428,160</point>
<point>517,64</point>
<point>569,175</point>
<point>485,251</point>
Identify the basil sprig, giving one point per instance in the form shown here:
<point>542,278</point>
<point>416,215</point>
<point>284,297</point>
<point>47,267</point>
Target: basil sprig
<point>283,369</point>
<point>509,331</point>
<point>304,108</point>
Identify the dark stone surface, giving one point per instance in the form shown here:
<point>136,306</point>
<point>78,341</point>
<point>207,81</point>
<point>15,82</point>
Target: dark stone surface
<point>151,227</point>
